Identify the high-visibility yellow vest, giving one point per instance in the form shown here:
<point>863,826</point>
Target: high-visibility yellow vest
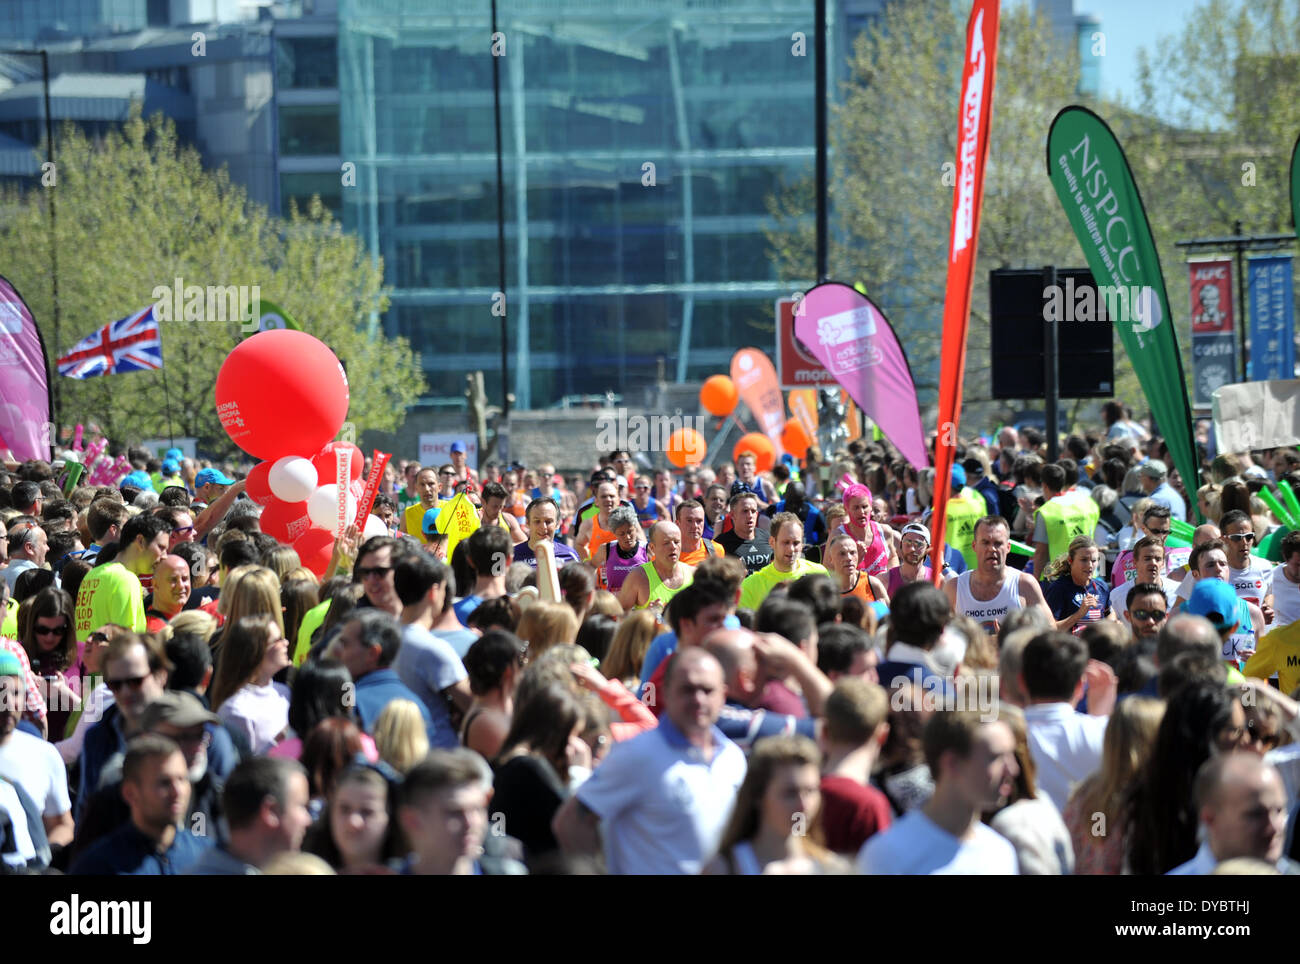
<point>1067,516</point>
<point>963,511</point>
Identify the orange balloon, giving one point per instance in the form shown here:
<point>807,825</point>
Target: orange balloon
<point>794,438</point>
<point>760,446</point>
<point>718,395</point>
<point>686,447</point>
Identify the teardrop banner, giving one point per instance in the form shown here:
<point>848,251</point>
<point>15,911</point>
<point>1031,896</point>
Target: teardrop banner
<point>756,380</point>
<point>24,381</point>
<point>1095,185</point>
<point>855,342</point>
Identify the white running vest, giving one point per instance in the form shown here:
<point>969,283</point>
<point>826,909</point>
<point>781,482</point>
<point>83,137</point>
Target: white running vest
<point>987,612</point>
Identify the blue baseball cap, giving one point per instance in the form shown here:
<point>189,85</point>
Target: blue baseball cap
<point>211,476</point>
<point>174,454</point>
<point>138,479</point>
<point>170,467</point>
<point>958,476</point>
<point>9,664</point>
<point>1216,601</point>
<point>428,525</point>
<point>458,447</point>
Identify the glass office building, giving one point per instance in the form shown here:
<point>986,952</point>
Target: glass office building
<point>641,140</point>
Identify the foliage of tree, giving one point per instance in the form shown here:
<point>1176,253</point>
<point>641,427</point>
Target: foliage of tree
<point>136,210</point>
<point>1223,93</point>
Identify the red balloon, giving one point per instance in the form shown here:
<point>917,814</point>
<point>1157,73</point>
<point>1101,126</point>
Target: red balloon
<point>285,521</point>
<point>257,487</point>
<point>327,467</point>
<point>281,392</point>
<point>315,548</point>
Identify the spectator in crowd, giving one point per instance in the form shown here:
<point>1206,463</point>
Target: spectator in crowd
<point>244,692</point>
<point>426,663</point>
<point>29,762</point>
<point>1095,813</point>
<point>367,645</point>
<point>774,826</point>
<point>664,796</point>
<point>359,832</point>
<point>1242,809</point>
<point>853,732</point>
<point>974,767</point>
<point>493,666</point>
<point>153,841</point>
<point>265,801</point>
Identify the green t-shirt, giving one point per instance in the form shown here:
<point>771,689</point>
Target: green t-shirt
<point>110,594</point>
<point>10,627</point>
<point>310,623</point>
<point>758,584</point>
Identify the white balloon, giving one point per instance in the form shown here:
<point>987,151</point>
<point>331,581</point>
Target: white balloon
<point>323,507</point>
<point>292,478</point>
<point>375,527</point>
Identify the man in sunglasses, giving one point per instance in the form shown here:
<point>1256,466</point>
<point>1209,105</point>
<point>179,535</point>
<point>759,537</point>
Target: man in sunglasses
<point>374,571</point>
<point>135,672</point>
<point>1147,611</point>
<point>1250,576</point>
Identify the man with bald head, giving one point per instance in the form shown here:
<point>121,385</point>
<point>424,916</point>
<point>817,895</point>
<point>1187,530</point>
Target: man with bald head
<point>1242,808</point>
<point>749,661</point>
<point>663,797</point>
<point>171,591</point>
<point>651,584</point>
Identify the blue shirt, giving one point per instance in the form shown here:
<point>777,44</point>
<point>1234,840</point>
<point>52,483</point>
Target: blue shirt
<point>665,644</point>
<point>744,726</point>
<point>376,690</point>
<point>428,665</point>
<point>128,852</point>
<point>463,607</point>
<point>1064,597</point>
<point>1165,494</point>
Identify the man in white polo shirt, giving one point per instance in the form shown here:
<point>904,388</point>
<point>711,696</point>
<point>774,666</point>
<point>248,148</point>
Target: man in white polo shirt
<point>663,798</point>
<point>1065,745</point>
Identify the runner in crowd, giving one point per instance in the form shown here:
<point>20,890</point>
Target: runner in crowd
<point>714,770</point>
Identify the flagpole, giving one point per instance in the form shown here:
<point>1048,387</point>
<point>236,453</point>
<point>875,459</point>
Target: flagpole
<point>167,395</point>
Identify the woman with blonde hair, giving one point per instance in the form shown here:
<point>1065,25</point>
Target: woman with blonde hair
<point>281,560</point>
<point>627,651</point>
<point>301,574</point>
<point>247,591</point>
<point>1207,500</point>
<point>1073,593</point>
<point>775,820</point>
<point>244,693</point>
<point>400,735</point>
<point>1094,814</point>
<point>194,621</point>
<point>544,625</point>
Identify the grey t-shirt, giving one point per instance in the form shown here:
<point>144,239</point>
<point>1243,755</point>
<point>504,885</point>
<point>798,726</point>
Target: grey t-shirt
<point>428,665</point>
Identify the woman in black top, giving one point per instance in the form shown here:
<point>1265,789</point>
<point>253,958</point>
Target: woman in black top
<point>532,772</point>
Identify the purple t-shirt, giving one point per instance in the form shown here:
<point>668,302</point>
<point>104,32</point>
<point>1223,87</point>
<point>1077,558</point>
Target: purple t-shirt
<point>617,566</point>
<point>563,555</point>
<point>897,582</point>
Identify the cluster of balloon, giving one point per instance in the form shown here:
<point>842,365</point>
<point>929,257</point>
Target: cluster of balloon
<point>282,396</point>
<point>719,396</point>
<point>686,446</point>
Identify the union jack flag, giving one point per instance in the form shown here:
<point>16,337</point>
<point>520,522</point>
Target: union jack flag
<point>130,344</point>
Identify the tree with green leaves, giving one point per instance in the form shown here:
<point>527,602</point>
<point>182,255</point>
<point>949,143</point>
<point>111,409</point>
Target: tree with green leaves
<point>135,211</point>
<point>1209,141</point>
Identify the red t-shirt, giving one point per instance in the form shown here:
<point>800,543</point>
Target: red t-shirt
<point>852,814</point>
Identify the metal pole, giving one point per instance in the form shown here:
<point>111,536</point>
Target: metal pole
<point>1241,297</point>
<point>1050,353</point>
<point>501,226</point>
<point>55,400</point>
<point>819,94</point>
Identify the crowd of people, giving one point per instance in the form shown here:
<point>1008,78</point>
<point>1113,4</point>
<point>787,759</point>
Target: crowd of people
<point>641,671</point>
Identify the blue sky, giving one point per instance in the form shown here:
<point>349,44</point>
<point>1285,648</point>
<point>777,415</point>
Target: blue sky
<point>1128,25</point>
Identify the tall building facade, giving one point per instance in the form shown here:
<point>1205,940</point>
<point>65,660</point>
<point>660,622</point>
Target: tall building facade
<point>641,141</point>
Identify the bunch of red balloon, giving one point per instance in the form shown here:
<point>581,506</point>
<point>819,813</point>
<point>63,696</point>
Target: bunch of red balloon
<point>282,396</point>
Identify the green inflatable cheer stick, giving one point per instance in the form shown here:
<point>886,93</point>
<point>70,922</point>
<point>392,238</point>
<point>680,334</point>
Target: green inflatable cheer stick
<point>1289,498</point>
<point>1270,500</point>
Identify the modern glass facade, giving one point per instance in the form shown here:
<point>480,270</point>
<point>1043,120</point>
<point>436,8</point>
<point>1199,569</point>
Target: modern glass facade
<point>641,140</point>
